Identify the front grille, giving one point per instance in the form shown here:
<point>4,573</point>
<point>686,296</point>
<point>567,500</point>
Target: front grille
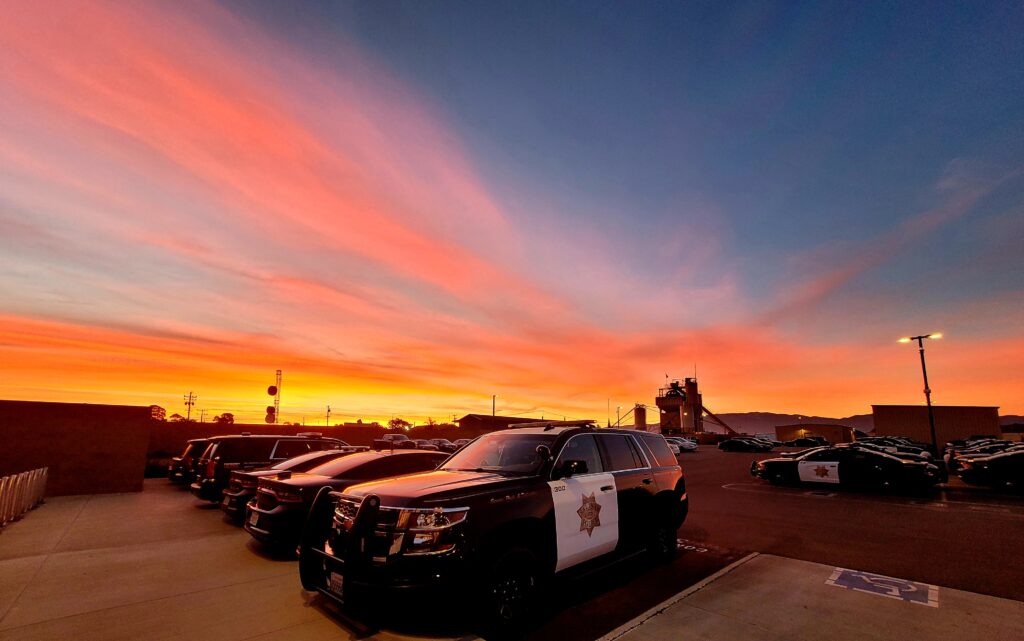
<point>345,512</point>
<point>265,500</point>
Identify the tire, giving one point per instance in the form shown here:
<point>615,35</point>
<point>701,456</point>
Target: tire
<point>508,593</point>
<point>662,547</point>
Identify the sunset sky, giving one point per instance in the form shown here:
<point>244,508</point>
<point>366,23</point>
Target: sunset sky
<point>409,207</point>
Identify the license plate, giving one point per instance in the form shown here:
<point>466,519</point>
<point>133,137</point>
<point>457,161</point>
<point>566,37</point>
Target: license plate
<point>254,518</point>
<point>226,500</point>
<point>337,584</point>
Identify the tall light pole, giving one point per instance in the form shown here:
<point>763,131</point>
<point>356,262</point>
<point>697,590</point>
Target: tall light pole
<point>493,397</point>
<point>927,390</point>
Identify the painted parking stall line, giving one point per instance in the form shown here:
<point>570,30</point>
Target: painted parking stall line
<point>887,586</point>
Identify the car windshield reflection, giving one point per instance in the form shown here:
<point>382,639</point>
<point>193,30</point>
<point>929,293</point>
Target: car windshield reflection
<point>502,454</point>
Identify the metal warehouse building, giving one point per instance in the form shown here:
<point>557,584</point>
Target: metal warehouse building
<point>951,421</point>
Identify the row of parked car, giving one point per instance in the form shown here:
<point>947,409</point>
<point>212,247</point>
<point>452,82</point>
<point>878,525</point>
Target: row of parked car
<point>403,442</point>
<point>987,461</point>
<point>757,444</point>
<point>899,463</point>
<point>492,522</point>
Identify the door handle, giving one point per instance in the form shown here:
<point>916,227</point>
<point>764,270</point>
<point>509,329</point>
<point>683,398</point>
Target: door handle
<point>647,481</point>
<point>607,488</point>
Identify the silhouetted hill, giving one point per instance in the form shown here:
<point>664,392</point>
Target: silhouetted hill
<point>765,422</point>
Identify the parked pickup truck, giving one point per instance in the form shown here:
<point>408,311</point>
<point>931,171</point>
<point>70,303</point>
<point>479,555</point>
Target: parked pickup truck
<point>395,442</point>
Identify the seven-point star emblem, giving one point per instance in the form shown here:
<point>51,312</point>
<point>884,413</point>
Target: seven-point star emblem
<point>590,514</point>
<point>821,471</point>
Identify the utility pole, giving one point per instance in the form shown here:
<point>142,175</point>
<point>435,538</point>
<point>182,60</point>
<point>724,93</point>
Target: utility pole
<point>328,416</point>
<point>493,397</point>
<point>190,400</point>
<point>202,416</point>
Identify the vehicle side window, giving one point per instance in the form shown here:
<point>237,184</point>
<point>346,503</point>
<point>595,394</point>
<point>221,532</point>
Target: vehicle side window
<point>290,449</point>
<point>326,444</point>
<point>823,455</point>
<point>620,453</point>
<point>659,449</point>
<point>240,450</point>
<point>388,466</point>
<point>638,456</point>
<point>581,448</point>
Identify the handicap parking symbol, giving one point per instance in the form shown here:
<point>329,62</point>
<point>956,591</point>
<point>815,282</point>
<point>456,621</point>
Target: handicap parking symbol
<point>887,586</point>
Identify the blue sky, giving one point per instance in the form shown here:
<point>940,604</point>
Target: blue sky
<point>569,199</point>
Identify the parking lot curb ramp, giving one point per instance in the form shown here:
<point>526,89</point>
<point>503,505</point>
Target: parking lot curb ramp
<point>763,596</point>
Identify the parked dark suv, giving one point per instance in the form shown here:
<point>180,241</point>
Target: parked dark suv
<point>282,502</point>
<point>182,470</point>
<point>226,454</point>
<point>497,519</point>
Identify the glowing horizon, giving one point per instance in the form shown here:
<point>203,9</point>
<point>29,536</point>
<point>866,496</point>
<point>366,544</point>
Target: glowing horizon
<point>193,199</point>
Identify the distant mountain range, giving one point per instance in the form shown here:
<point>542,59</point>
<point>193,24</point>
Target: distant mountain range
<point>766,422</point>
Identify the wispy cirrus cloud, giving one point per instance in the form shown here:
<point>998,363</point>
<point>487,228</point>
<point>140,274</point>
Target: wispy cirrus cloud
<point>834,265</point>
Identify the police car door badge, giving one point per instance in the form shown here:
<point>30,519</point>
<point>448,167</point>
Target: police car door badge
<point>590,514</point>
<point>818,471</point>
<point>586,517</point>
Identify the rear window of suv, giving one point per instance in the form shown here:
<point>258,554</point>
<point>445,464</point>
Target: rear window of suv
<point>290,448</point>
<point>656,445</point>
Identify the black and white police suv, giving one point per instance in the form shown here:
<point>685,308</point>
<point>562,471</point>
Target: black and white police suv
<point>500,517</point>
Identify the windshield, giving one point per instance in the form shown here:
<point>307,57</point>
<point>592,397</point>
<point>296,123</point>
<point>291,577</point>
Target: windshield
<point>503,453</point>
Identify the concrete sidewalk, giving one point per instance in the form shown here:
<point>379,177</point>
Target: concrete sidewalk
<point>770,598</point>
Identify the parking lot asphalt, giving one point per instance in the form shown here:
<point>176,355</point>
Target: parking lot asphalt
<point>161,565</point>
<point>961,537</point>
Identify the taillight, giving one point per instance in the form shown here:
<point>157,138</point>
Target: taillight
<point>211,468</point>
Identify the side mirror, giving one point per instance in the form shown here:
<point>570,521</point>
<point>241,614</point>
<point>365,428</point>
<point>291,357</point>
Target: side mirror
<point>543,452</point>
<point>571,468</point>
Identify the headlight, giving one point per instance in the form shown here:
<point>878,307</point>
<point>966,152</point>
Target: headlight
<point>432,531</point>
<point>287,496</point>
<point>436,519</point>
